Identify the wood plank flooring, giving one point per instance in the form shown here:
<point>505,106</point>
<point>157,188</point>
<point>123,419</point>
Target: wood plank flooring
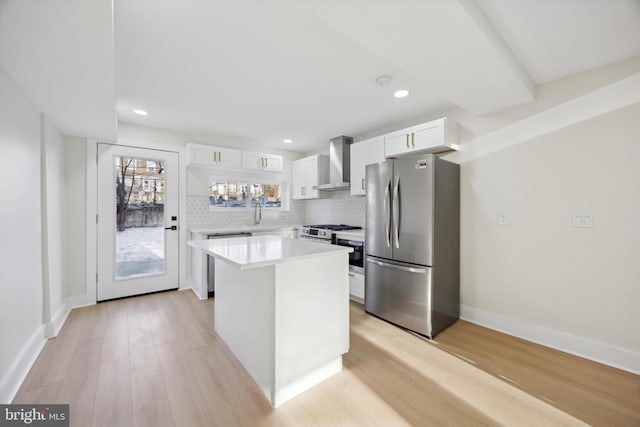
<point>155,360</point>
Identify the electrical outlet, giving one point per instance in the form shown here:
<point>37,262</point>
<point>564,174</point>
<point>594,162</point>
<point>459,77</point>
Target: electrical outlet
<point>583,220</point>
<point>503,218</point>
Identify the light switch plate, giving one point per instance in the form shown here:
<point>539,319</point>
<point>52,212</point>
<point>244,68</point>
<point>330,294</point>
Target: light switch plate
<point>583,220</point>
<point>503,218</point>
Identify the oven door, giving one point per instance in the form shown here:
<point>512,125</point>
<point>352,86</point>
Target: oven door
<point>356,258</point>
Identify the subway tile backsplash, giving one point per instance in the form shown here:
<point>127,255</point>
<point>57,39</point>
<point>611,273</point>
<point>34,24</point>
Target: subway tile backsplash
<point>341,208</point>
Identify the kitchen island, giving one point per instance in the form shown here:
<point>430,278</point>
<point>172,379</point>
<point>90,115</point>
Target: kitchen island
<point>282,307</point>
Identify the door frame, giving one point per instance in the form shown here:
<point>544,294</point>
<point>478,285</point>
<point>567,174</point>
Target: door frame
<point>91,192</point>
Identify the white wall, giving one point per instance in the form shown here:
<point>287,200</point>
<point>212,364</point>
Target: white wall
<point>33,295</point>
<point>54,194</point>
<point>21,314</point>
<point>75,159</point>
<point>540,277</point>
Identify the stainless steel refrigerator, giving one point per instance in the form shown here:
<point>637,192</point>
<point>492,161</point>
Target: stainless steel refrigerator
<point>412,274</point>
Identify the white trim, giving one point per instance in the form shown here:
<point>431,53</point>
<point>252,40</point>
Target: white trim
<point>91,210</point>
<point>609,98</point>
<point>92,228</point>
<point>21,365</point>
<point>313,378</point>
<point>584,347</point>
<point>57,321</point>
<point>76,301</point>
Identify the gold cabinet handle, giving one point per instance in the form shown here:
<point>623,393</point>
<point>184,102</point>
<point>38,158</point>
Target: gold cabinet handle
<point>407,137</point>
<point>413,144</point>
<point>363,183</point>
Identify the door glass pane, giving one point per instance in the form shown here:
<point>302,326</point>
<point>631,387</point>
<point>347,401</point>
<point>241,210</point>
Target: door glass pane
<point>140,192</point>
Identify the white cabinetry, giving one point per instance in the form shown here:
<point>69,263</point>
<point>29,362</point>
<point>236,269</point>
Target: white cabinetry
<point>307,173</point>
<point>364,153</point>
<point>213,157</point>
<point>262,162</point>
<point>200,155</point>
<point>434,136</point>
<point>356,287</point>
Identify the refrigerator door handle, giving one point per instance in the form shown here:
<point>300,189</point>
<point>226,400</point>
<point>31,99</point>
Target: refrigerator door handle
<point>387,222</point>
<point>398,267</point>
<point>396,211</point>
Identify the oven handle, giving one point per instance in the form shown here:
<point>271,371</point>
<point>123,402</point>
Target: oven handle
<point>345,242</point>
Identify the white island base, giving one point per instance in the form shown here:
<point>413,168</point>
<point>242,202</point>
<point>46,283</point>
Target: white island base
<point>285,317</point>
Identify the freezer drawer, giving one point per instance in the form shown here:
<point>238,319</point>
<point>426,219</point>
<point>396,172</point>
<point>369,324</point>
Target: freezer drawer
<point>399,293</point>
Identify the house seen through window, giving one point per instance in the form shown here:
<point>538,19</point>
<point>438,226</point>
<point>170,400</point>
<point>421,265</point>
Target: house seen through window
<point>243,194</point>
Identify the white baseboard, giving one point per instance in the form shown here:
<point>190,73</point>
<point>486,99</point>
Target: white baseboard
<point>20,367</point>
<point>76,301</point>
<point>589,349</point>
<point>53,328</point>
<point>200,297</point>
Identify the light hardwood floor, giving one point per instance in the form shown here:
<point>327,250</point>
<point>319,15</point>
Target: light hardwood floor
<point>155,360</point>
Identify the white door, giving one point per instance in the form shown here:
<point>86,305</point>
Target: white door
<point>137,221</point>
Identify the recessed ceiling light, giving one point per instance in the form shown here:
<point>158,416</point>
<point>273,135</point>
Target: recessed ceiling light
<point>140,112</point>
<point>401,93</point>
<point>287,141</point>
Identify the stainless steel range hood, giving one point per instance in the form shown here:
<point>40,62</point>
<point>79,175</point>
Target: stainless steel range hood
<point>339,164</point>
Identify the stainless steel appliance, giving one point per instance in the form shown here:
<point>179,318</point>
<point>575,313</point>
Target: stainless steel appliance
<point>324,233</point>
<point>356,258</point>
<point>412,276</point>
<point>339,164</point>
<point>211,261</point>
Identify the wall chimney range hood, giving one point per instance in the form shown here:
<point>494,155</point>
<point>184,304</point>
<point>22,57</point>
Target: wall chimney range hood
<point>339,164</point>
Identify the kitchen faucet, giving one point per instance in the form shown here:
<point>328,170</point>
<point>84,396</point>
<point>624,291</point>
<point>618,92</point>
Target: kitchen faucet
<point>257,213</point>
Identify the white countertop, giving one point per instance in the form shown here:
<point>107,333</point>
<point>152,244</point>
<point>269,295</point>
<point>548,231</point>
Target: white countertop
<point>245,229</point>
<point>262,251</point>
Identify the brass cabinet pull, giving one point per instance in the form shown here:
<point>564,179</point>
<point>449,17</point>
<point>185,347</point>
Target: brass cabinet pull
<point>413,144</point>
<point>363,183</point>
<point>407,135</point>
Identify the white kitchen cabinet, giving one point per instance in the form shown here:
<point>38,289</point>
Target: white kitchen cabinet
<point>356,287</point>
<point>307,173</point>
<point>213,157</point>
<point>262,162</point>
<point>364,153</point>
<point>434,136</point>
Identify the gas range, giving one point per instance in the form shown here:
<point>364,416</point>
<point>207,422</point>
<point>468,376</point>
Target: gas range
<point>324,232</point>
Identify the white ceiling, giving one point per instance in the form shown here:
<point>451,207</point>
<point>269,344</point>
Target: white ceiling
<point>268,70</point>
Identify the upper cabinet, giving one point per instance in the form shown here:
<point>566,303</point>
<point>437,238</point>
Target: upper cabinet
<point>262,162</point>
<point>364,153</point>
<point>307,173</point>
<point>434,136</point>
<point>228,158</point>
<point>213,157</point>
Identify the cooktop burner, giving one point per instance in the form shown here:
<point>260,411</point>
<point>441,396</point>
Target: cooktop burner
<point>334,227</point>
